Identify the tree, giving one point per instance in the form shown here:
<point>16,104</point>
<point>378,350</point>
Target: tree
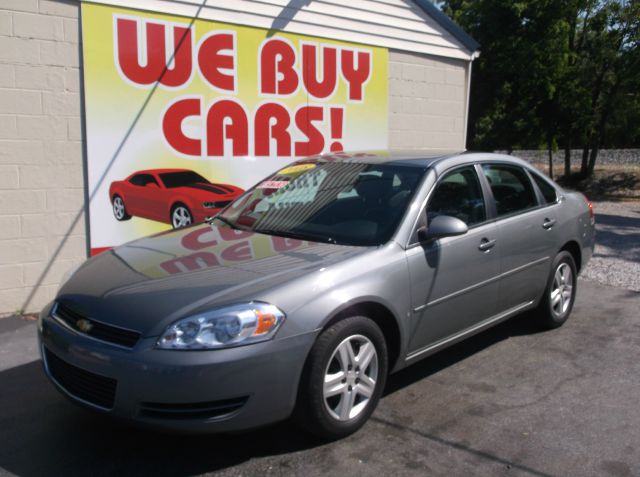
<point>553,73</point>
<point>515,98</point>
<point>610,58</point>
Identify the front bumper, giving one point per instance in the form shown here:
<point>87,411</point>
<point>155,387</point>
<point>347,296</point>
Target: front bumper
<point>190,391</point>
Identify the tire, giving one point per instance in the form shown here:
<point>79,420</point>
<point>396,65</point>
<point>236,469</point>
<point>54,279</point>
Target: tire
<point>560,293</point>
<point>119,209</point>
<point>180,216</point>
<point>332,411</point>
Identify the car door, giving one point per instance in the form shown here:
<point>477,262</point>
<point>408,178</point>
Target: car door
<point>141,192</point>
<point>133,199</point>
<point>527,235</point>
<point>454,280</point>
<point>155,199</point>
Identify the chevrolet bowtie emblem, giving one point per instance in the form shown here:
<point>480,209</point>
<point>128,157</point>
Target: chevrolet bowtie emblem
<point>84,325</point>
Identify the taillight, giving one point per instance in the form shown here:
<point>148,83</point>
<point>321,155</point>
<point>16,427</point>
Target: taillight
<point>592,214</point>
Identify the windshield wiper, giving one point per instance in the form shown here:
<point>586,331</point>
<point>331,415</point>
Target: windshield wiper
<point>298,236</point>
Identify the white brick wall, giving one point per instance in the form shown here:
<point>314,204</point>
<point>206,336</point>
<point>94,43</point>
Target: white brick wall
<point>427,102</point>
<point>41,174</point>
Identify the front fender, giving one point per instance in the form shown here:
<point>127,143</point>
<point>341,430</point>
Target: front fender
<point>380,276</point>
<point>114,188</point>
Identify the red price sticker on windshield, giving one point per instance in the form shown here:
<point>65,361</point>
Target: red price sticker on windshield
<point>272,184</point>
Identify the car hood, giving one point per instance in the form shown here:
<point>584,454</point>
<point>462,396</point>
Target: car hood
<point>201,189</point>
<point>146,284</point>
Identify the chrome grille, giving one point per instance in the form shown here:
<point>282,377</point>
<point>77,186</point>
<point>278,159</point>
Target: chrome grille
<point>93,328</point>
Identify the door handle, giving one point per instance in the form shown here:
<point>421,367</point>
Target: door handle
<point>548,223</point>
<point>486,244</point>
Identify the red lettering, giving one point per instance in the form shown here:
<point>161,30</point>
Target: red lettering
<point>271,123</point>
<point>283,244</point>
<point>189,263</point>
<point>356,75</point>
<point>305,117</point>
<point>237,252</point>
<point>172,126</point>
<point>326,86</point>
<point>227,120</point>
<point>194,240</point>
<point>156,67</point>
<point>277,68</point>
<point>227,233</point>
<point>337,124</point>
<point>215,55</point>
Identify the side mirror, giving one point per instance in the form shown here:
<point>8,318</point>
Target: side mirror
<point>442,226</point>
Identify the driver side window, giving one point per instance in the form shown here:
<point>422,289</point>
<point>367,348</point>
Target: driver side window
<point>459,195</point>
<point>143,179</point>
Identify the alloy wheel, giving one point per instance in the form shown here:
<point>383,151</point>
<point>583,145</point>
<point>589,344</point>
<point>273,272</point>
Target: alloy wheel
<point>562,290</point>
<point>180,217</point>
<point>118,208</point>
<point>350,378</point>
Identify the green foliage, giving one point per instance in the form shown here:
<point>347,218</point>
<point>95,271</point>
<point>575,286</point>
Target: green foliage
<point>553,73</point>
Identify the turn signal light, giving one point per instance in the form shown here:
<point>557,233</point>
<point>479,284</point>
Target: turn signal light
<point>266,322</point>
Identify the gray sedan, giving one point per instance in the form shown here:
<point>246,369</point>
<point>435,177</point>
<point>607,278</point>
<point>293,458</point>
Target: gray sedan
<point>302,295</point>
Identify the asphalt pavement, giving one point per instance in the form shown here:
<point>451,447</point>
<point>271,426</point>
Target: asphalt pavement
<point>511,401</point>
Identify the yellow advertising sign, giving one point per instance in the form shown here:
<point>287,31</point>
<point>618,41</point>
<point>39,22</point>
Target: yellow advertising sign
<point>183,115</point>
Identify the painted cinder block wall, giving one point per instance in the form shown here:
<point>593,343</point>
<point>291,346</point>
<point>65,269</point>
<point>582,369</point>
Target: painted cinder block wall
<point>41,161</point>
<point>42,196</point>
<point>427,102</point>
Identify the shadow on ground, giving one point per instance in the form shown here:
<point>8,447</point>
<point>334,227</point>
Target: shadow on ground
<point>613,184</point>
<point>619,235</point>
<point>524,324</point>
<point>43,434</point>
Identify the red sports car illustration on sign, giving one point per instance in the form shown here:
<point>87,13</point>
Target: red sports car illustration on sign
<point>178,197</point>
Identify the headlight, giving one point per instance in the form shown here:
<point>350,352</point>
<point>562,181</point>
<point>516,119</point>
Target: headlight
<point>216,205</point>
<point>226,327</point>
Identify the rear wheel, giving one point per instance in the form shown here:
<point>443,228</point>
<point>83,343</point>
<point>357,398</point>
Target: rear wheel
<point>559,296</point>
<point>119,210</point>
<point>343,378</point>
<point>181,216</point>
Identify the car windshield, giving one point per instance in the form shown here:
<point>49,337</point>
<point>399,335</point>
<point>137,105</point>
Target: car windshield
<point>182,178</point>
<point>334,202</point>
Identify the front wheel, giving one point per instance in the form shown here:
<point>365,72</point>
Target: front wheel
<point>181,216</point>
<point>559,296</point>
<point>343,378</point>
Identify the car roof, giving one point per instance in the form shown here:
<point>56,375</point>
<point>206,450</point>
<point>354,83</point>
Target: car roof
<point>409,158</point>
<point>161,171</point>
<point>439,160</point>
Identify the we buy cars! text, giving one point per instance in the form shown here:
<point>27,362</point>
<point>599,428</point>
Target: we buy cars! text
<point>283,70</point>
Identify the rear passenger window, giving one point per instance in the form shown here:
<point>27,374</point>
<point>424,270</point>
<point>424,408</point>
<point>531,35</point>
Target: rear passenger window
<point>548,191</point>
<point>459,195</point>
<point>511,187</point>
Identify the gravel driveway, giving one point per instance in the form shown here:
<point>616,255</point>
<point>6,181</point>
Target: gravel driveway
<point>616,260</point>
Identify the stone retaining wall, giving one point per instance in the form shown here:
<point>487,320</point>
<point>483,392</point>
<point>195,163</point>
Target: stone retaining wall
<point>606,156</point>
